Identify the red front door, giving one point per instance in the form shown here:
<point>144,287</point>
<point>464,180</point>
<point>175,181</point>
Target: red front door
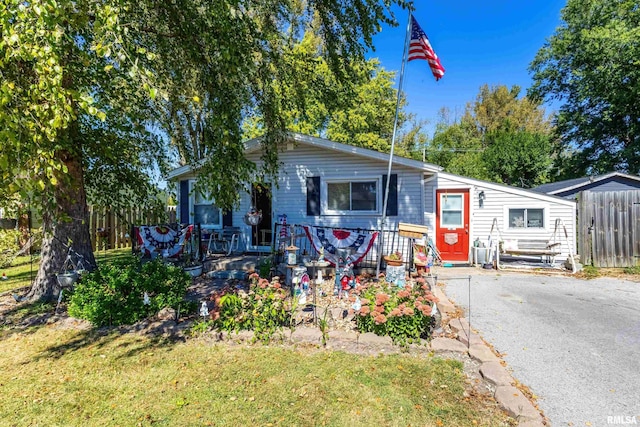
<point>452,224</point>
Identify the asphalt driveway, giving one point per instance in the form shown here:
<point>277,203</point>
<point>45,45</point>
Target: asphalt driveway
<point>575,343</point>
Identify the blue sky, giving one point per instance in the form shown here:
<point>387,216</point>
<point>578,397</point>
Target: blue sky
<point>490,42</point>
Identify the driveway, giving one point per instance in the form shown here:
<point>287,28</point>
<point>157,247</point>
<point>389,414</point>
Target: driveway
<point>575,343</point>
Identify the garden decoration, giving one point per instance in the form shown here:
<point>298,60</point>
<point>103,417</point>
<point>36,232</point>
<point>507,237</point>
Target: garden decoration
<point>156,239</point>
<point>394,259</point>
<point>331,239</point>
<point>253,217</point>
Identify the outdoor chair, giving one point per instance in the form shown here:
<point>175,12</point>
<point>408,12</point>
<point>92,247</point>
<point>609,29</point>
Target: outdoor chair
<point>225,241</point>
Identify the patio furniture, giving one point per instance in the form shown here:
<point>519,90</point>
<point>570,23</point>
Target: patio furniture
<point>224,241</point>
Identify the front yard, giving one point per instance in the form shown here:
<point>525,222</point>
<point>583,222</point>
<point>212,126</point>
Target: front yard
<point>55,370</point>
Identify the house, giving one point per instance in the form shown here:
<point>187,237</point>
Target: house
<point>329,184</point>
<point>569,189</point>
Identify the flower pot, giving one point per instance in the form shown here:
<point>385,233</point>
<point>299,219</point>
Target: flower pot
<point>67,280</point>
<point>194,270</point>
<point>393,262</point>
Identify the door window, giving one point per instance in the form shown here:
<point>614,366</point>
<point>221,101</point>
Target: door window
<point>451,210</point>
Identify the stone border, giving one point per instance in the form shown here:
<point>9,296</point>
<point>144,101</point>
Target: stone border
<point>492,368</point>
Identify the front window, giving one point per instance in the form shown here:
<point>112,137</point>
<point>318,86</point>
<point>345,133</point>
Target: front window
<point>353,196</point>
<point>526,218</point>
<point>205,211</point>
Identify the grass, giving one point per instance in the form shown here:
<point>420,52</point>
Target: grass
<point>54,376</point>
<point>50,376</point>
<point>24,268</point>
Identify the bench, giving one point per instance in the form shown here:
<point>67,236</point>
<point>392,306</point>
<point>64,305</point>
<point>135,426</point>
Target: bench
<point>531,247</point>
<point>226,241</point>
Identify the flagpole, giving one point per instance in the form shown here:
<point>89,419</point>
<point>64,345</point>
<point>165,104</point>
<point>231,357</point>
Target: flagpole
<point>393,143</point>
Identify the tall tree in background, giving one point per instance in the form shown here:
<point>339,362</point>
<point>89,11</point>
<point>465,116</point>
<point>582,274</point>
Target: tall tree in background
<point>84,86</point>
<point>500,137</point>
<point>358,110</point>
<point>591,65</point>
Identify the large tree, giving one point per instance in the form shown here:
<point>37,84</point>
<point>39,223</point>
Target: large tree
<point>500,137</point>
<point>590,64</point>
<point>86,89</point>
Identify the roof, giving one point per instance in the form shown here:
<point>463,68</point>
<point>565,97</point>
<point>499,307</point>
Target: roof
<point>254,145</point>
<point>576,183</point>
<point>509,189</point>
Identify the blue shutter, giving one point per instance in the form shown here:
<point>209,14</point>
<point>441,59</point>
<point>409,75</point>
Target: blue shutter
<point>392,202</point>
<point>184,202</point>
<point>313,196</point>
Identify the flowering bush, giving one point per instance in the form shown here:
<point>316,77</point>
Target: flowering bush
<point>264,309</point>
<point>404,314</point>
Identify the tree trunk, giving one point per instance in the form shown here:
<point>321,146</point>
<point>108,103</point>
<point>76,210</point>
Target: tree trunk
<point>67,226</point>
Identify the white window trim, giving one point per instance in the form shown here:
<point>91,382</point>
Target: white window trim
<point>545,213</point>
<point>192,210</point>
<point>324,193</point>
<point>440,204</point>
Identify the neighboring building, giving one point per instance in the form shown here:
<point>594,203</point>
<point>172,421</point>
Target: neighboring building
<point>569,189</point>
<point>325,183</point>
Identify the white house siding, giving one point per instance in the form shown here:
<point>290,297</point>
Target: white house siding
<point>498,199</point>
<point>307,161</point>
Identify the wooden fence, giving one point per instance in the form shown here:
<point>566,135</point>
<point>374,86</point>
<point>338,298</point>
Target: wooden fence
<point>111,230</point>
<point>609,228</point>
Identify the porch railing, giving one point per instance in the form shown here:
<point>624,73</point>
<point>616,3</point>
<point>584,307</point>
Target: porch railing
<point>392,243</point>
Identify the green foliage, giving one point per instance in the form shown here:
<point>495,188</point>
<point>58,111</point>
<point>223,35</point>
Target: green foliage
<point>590,64</point>
<point>500,137</point>
<point>590,272</point>
<point>404,314</point>
<point>114,293</point>
<point>265,267</point>
<point>635,270</point>
<point>264,309</point>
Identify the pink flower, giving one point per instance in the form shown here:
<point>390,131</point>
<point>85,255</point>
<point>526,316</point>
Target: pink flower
<point>395,312</point>
<point>263,283</point>
<point>426,310</point>
<point>404,294</point>
<point>379,309</point>
<point>380,319</point>
<point>407,311</point>
<point>420,280</point>
<point>277,285</point>
<point>364,310</point>
<point>381,298</point>
<point>254,276</point>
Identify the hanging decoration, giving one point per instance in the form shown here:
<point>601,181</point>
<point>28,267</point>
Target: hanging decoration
<point>163,240</point>
<point>329,240</point>
<point>253,217</point>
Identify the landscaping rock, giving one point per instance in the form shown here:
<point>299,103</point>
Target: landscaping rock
<point>515,404</point>
<point>374,340</point>
<point>310,335</point>
<point>470,340</point>
<point>443,345</point>
<point>482,353</point>
<point>459,325</point>
<point>495,373</point>
<point>167,313</point>
<point>343,336</point>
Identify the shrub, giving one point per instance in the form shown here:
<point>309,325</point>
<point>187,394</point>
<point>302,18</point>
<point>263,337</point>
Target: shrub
<point>265,309</point>
<point>403,313</point>
<point>114,293</point>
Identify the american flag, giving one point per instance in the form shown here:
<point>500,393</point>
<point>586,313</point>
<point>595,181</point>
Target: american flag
<point>420,48</point>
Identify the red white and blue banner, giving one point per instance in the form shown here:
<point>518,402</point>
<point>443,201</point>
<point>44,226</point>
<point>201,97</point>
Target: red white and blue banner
<point>332,239</point>
<point>156,238</point>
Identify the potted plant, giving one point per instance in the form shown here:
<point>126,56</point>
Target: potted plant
<point>394,259</point>
<point>191,259</point>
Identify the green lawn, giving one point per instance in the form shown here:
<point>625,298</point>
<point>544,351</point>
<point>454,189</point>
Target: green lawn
<point>24,268</point>
<point>53,376</point>
<point>59,377</point>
